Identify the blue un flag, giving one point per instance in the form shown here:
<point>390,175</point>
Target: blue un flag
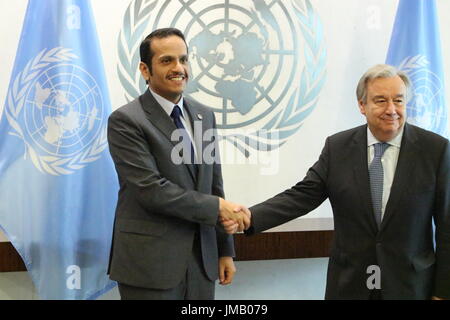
<point>415,48</point>
<point>57,181</point>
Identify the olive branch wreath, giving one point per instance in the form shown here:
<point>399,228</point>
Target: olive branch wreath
<point>135,22</point>
<point>411,63</point>
<point>16,100</point>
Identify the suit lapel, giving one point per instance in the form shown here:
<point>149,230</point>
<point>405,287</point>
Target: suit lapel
<point>159,118</point>
<point>405,166</point>
<point>361,175</point>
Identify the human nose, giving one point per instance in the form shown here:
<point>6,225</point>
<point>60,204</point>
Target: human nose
<point>391,108</point>
<point>179,66</point>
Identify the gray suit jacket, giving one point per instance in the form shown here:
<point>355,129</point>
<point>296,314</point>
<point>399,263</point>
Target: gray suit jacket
<point>403,246</point>
<point>161,205</point>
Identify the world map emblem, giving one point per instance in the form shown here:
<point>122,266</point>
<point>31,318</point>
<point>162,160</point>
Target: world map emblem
<point>426,107</point>
<point>259,65</point>
<point>56,108</point>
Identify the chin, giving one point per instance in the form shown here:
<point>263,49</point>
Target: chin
<point>176,92</point>
<point>392,133</point>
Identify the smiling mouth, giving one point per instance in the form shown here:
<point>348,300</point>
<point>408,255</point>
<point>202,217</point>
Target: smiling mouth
<point>390,119</point>
<point>177,78</point>
<point>391,122</point>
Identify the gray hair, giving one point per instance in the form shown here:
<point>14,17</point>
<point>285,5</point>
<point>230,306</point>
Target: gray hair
<point>381,71</point>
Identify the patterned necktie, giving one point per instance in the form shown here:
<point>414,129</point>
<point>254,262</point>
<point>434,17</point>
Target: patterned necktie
<point>376,180</point>
<point>176,116</point>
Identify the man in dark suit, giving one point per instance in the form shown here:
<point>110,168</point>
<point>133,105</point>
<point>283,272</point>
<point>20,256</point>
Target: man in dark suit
<point>167,243</point>
<point>386,182</point>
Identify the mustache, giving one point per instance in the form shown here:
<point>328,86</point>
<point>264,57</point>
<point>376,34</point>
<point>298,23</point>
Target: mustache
<point>178,74</point>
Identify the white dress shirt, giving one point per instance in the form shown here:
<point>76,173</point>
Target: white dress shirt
<point>168,108</point>
<point>389,161</point>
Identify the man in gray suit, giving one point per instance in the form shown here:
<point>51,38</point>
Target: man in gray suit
<point>386,182</point>
<point>167,243</point>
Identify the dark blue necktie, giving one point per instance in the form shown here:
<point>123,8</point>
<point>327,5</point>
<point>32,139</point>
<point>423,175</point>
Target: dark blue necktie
<point>176,116</point>
<point>376,180</point>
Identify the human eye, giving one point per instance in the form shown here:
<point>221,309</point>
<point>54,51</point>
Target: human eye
<point>166,60</point>
<point>380,101</point>
<point>398,101</point>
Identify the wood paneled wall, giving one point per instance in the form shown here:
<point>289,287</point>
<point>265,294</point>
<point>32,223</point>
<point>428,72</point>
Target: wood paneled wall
<point>264,246</point>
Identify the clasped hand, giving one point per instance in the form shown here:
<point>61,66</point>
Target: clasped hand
<point>233,217</point>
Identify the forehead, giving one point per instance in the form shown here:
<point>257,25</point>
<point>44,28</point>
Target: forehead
<point>386,86</point>
<point>172,45</point>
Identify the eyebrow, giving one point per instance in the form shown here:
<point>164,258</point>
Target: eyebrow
<point>184,56</point>
<point>384,97</point>
<point>165,57</point>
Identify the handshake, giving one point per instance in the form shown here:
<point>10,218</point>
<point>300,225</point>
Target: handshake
<point>233,217</point>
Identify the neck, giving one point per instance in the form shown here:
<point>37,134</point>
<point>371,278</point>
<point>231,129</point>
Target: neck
<point>385,136</point>
<point>172,98</point>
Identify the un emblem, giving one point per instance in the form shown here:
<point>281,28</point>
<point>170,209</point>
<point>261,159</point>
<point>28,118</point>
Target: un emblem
<point>425,108</point>
<point>259,65</point>
<point>56,108</point>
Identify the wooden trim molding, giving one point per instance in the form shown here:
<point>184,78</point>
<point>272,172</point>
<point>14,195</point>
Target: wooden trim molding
<point>283,245</point>
<point>10,260</point>
<point>263,246</point>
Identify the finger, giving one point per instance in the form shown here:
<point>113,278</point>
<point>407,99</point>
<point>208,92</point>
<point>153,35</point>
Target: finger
<point>229,226</point>
<point>221,274</point>
<point>227,223</point>
<point>231,230</point>
<point>229,276</point>
<point>227,279</point>
<point>241,224</point>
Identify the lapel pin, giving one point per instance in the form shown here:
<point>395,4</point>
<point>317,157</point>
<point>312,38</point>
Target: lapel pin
<point>200,116</point>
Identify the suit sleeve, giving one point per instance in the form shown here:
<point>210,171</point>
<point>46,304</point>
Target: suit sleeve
<point>442,221</point>
<point>297,201</point>
<point>225,242</point>
<point>139,176</point>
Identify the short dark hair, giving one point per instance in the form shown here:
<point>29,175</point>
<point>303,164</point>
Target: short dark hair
<point>146,49</point>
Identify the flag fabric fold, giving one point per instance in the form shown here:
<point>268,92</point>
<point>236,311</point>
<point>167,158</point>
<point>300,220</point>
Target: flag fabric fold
<point>58,183</point>
<point>415,48</point>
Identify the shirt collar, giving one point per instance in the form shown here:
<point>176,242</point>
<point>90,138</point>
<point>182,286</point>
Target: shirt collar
<point>396,142</point>
<point>166,104</point>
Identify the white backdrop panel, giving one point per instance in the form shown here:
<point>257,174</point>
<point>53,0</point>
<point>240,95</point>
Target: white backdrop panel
<point>356,33</point>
